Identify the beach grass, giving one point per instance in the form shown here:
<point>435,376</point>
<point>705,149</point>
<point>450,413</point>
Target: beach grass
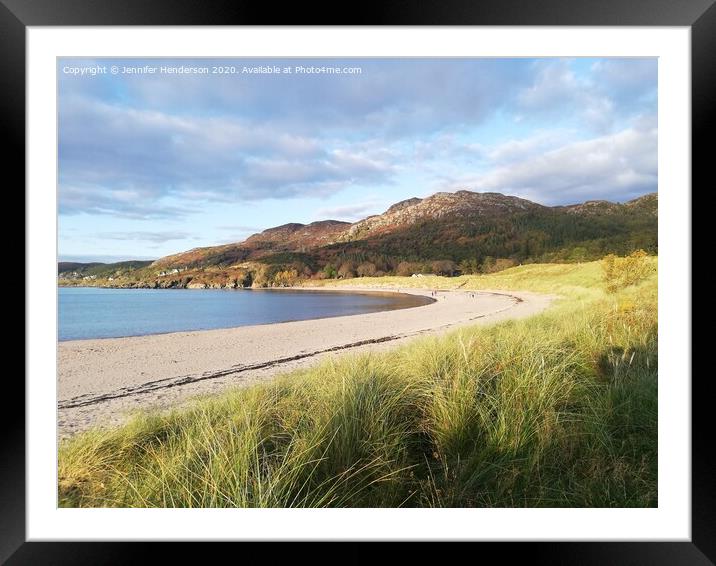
<point>558,410</point>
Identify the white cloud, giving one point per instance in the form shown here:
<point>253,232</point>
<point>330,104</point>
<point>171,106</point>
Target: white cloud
<point>520,149</point>
<point>123,161</point>
<point>617,166</point>
<point>350,212</point>
<point>154,237</point>
<point>600,98</point>
<point>155,147</point>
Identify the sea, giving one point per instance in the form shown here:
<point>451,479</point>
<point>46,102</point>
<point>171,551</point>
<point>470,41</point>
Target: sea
<point>91,312</point>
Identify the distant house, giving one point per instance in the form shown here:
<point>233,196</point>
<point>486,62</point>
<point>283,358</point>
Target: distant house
<point>169,272</point>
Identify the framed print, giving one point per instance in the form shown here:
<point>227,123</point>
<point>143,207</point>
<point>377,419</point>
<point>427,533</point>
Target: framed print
<point>391,279</point>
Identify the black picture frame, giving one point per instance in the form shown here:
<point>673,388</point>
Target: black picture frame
<point>699,15</point>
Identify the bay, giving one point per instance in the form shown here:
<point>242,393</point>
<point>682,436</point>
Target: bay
<point>91,312</point>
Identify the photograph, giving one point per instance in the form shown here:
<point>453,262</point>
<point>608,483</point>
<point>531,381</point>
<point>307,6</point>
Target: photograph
<point>357,282</point>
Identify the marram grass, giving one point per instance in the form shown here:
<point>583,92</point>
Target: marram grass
<point>559,410</point>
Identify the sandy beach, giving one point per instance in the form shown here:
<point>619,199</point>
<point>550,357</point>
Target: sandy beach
<point>101,381</point>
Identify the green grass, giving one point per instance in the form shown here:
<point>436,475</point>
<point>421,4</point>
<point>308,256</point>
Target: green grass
<point>571,280</point>
<point>556,410</point>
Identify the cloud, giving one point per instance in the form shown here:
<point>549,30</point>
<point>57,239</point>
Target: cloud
<point>519,149</point>
<point>134,145</point>
<point>611,90</point>
<point>558,89</point>
<point>123,161</point>
<point>390,97</point>
<point>627,77</point>
<point>122,202</point>
<point>617,167</point>
<point>153,237</point>
<point>160,146</point>
<point>240,228</point>
<point>237,233</point>
<point>350,212</point>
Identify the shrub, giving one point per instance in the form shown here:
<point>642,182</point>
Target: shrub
<point>491,265</point>
<point>347,270</point>
<point>469,266</point>
<point>621,272</point>
<point>285,278</point>
<point>407,268</point>
<point>444,267</point>
<point>366,269</point>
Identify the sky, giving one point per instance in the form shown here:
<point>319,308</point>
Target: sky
<point>157,156</point>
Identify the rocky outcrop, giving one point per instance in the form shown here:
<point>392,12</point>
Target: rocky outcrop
<point>645,204</point>
<point>403,204</point>
<point>465,204</point>
<point>297,237</point>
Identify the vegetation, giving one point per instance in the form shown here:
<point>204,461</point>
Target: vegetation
<point>466,240</point>
<point>556,410</point>
<point>75,270</point>
<point>537,236</point>
<point>622,272</point>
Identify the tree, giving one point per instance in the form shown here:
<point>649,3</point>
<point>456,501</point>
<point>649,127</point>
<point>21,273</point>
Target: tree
<point>366,269</point>
<point>444,267</point>
<point>261,276</point>
<point>620,272</point>
<point>578,253</point>
<point>503,263</point>
<point>286,278</point>
<point>347,270</point>
<point>407,268</point>
<point>245,279</point>
<point>469,266</point>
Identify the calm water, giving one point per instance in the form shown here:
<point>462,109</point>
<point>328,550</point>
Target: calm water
<point>86,312</point>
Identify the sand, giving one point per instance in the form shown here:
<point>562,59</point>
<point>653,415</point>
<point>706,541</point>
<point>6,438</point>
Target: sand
<point>102,381</point>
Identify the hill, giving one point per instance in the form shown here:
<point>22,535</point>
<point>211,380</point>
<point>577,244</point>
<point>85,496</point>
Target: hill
<point>445,233</point>
<point>294,237</point>
<point>95,270</point>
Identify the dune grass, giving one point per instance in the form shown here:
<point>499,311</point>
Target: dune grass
<point>558,410</point>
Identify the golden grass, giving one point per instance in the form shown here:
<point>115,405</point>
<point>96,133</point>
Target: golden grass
<point>556,410</point>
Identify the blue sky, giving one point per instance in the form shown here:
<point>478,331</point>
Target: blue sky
<point>153,164</point>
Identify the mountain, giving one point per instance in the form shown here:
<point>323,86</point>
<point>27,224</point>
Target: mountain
<point>292,237</point>
<point>462,204</point>
<point>479,231</point>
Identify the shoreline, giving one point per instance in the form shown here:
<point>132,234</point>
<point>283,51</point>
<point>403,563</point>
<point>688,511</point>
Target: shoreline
<point>370,292</point>
<point>101,380</point>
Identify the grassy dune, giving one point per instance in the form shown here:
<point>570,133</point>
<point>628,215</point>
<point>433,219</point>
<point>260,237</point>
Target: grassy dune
<point>556,410</point>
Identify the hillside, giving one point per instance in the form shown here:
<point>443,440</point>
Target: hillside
<point>468,226</point>
<point>292,237</point>
<point>83,271</point>
<point>438,207</point>
<point>445,233</point>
